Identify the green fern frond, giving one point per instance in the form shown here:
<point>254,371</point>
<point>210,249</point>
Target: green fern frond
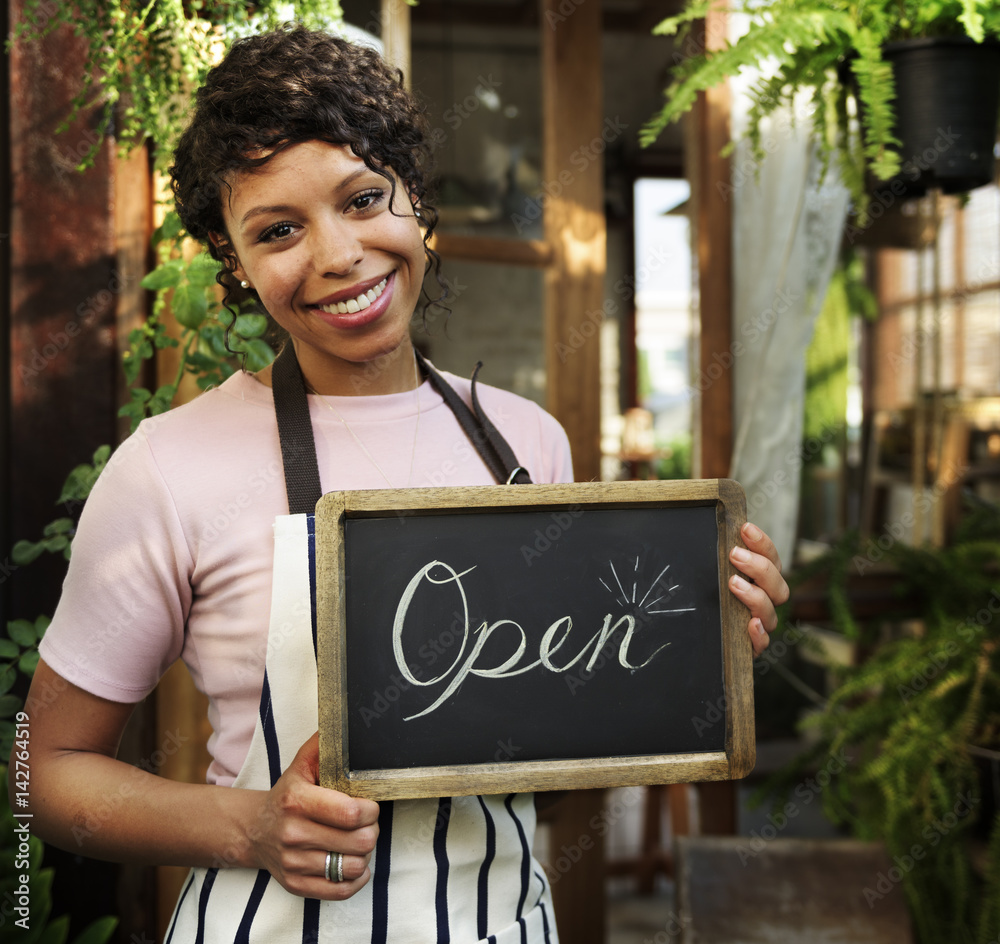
<point>766,40</point>
<point>691,14</point>
<point>972,19</point>
<point>876,93</point>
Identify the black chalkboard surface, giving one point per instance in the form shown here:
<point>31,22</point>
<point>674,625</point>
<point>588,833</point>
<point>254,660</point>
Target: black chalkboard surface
<point>530,637</point>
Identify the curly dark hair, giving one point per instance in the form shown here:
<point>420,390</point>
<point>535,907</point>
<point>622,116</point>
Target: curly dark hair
<point>281,88</point>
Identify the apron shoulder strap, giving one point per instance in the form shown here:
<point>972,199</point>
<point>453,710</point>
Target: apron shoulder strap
<point>298,448</point>
<point>490,444</point>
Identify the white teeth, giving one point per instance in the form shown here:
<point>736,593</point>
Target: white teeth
<point>353,305</point>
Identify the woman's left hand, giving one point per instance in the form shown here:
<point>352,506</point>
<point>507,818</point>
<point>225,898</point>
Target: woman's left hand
<point>766,588</point>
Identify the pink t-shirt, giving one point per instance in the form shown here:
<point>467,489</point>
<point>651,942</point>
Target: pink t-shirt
<point>173,555</point>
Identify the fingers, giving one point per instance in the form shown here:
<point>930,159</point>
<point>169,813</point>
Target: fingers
<point>303,796</point>
<point>310,880</point>
<point>762,587</point>
<point>303,822</point>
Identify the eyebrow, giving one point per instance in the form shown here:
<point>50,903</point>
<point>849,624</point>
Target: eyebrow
<point>282,208</point>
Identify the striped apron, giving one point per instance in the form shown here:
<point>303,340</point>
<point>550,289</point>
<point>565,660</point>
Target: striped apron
<point>454,869</point>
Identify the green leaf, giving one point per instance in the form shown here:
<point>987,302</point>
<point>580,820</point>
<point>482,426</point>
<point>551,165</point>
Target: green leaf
<point>161,341</point>
<point>24,552</point>
<point>59,543</point>
<point>190,305</point>
<point>78,483</point>
<point>169,229</point>
<point>135,412</point>
<point>98,932</point>
<point>164,276</point>
<point>59,526</point>
<point>131,365</point>
<point>259,354</point>
<point>202,269</point>
<point>9,704</point>
<point>42,624</point>
<point>56,932</point>
<point>9,649</point>
<point>250,326</point>
<point>22,632</point>
<point>8,676</point>
<point>160,401</point>
<point>41,900</point>
<point>29,662</point>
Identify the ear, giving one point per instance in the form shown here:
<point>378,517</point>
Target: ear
<point>415,202</point>
<point>222,245</point>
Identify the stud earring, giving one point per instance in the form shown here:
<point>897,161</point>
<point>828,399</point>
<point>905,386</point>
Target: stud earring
<point>418,214</point>
<point>244,284</point>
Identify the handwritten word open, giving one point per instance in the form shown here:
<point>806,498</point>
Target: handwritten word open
<point>556,636</point>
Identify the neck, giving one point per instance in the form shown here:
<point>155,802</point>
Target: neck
<point>394,372</point>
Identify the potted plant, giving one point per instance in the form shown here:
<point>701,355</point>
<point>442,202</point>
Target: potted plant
<point>919,719</point>
<point>854,59</point>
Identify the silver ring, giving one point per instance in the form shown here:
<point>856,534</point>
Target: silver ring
<point>332,857</point>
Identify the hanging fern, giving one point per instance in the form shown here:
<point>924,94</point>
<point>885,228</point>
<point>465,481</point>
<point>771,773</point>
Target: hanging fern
<point>831,54</point>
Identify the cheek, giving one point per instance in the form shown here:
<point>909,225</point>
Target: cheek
<point>276,284</point>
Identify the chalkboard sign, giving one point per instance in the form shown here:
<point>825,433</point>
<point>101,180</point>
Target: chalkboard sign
<point>532,637</point>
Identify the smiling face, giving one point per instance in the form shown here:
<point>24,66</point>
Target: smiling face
<point>314,236</point>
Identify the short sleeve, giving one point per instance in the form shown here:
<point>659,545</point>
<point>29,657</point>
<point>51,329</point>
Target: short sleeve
<point>120,620</point>
<point>555,449</point>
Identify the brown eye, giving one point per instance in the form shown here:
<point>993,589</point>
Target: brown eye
<point>275,232</point>
<point>368,200</point>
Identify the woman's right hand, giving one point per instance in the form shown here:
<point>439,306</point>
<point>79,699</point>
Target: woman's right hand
<point>299,822</point>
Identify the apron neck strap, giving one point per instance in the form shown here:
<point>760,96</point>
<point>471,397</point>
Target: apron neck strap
<point>298,448</point>
<point>491,446</point>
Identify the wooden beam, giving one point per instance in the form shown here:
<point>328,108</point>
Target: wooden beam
<point>396,36</point>
<point>714,241</point>
<point>640,18</point>
<point>575,860</point>
<point>521,252</point>
<point>714,249</point>
<point>574,222</point>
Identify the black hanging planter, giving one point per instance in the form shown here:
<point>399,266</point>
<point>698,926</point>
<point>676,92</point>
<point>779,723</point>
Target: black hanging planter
<point>947,102</point>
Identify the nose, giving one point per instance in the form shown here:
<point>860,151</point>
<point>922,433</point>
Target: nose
<point>339,249</point>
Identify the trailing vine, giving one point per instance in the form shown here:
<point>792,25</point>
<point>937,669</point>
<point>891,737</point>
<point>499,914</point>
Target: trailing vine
<point>143,60</point>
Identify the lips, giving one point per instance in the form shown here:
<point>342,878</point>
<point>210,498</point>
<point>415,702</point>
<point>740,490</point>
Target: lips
<point>364,304</point>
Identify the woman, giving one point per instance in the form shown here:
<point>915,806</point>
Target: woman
<point>303,172</point>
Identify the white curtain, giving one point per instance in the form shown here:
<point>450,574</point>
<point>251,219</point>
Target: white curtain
<point>788,218</point>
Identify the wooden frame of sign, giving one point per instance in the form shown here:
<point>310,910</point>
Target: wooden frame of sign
<point>523,638</point>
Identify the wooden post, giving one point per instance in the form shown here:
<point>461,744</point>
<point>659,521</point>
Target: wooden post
<point>575,135</point>
<point>714,242</point>
<point>574,289</point>
<point>395,16</point>
<point>576,863</point>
